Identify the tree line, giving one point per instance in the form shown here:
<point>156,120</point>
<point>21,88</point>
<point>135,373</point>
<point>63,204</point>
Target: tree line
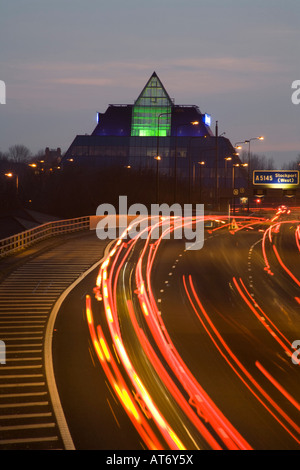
<point>261,162</point>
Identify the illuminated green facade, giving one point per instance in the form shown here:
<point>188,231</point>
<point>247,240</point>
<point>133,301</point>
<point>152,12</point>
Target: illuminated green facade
<point>151,114</point>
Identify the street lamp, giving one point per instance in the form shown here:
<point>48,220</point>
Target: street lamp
<point>217,164</point>
<point>193,123</point>
<point>238,146</point>
<point>11,175</point>
<point>157,158</point>
<point>158,118</point>
<point>249,142</point>
<point>235,165</point>
<point>249,164</point>
<point>200,185</point>
<point>227,159</point>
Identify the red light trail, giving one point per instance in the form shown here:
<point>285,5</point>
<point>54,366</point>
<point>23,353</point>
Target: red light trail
<point>139,305</point>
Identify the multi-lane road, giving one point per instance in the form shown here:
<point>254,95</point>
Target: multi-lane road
<point>168,348</point>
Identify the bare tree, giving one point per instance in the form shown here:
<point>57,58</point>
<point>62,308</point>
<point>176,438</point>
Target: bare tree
<point>294,165</point>
<point>19,153</point>
<point>258,162</point>
<point>3,156</point>
<point>39,154</point>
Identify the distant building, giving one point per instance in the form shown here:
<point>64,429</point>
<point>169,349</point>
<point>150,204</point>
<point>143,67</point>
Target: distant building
<point>133,135</point>
<point>52,157</point>
<point>48,161</point>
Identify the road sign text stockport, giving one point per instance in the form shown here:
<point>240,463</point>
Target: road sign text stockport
<point>276,178</point>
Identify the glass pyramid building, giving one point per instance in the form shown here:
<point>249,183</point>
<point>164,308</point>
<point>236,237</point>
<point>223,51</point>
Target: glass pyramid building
<point>133,135</point>
<point>151,114</point>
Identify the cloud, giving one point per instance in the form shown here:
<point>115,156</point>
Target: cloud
<point>83,81</point>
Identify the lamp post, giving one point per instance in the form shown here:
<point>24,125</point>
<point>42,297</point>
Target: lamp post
<point>201,164</point>
<point>217,165</point>
<point>11,175</point>
<point>249,164</point>
<point>157,158</point>
<point>193,123</point>
<point>249,142</point>
<point>227,159</point>
<point>157,142</point>
<point>238,146</point>
<point>249,155</point>
<point>235,165</point>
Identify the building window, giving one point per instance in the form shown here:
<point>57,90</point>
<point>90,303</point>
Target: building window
<point>151,116</point>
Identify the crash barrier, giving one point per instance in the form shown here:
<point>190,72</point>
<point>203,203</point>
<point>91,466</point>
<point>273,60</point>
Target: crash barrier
<point>23,240</point>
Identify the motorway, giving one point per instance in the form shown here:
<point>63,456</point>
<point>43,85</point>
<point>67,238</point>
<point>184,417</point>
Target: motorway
<point>154,346</point>
<point>168,348</point>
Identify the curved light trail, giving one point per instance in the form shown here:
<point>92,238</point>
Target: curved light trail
<point>130,265</point>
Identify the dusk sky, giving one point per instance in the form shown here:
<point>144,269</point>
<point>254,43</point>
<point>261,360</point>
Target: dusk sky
<point>64,60</point>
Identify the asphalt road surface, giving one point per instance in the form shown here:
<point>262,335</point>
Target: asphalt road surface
<point>186,349</point>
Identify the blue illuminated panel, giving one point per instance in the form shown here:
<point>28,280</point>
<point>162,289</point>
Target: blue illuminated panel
<point>207,119</point>
<point>276,178</point>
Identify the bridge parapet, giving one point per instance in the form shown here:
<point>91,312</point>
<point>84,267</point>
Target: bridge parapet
<point>23,240</point>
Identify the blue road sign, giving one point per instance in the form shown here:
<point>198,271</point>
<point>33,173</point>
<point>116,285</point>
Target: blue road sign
<point>281,179</point>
